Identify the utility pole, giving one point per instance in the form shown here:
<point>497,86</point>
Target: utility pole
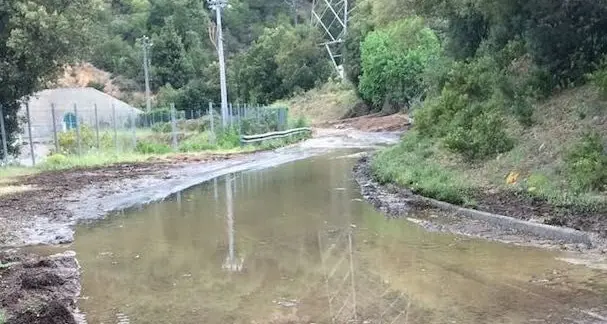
<point>146,43</point>
<point>217,5</point>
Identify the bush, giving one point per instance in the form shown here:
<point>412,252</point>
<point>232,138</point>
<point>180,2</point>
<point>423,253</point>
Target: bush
<point>56,160</point>
<point>394,60</point>
<point>68,141</point>
<point>468,115</point>
<point>228,138</point>
<point>147,147</point>
<point>586,163</point>
<point>599,77</point>
<point>162,128</point>
<point>300,122</point>
<point>197,143</point>
<point>96,85</point>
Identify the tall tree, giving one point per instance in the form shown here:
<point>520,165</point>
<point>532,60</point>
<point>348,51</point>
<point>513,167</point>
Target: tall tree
<point>37,38</point>
<point>171,63</point>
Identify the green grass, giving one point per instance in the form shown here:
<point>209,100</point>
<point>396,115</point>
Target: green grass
<point>226,143</point>
<point>539,158</point>
<point>411,164</point>
<point>2,317</point>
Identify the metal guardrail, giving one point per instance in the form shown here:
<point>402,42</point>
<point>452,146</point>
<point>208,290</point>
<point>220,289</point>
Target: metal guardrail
<point>247,139</point>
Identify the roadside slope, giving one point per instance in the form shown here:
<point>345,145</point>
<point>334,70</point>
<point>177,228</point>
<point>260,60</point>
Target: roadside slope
<point>537,180</point>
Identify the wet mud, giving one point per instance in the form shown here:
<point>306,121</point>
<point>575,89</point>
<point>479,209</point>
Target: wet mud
<point>39,289</point>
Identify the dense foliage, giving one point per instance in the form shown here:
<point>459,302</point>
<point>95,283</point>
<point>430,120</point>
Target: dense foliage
<point>394,60</point>
<point>36,38</point>
<point>267,56</point>
<point>489,61</point>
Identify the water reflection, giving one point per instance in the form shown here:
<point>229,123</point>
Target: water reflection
<point>314,253</point>
<point>231,263</point>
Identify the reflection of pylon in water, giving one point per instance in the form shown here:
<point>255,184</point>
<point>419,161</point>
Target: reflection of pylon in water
<point>231,263</point>
<point>353,293</point>
<point>341,293</point>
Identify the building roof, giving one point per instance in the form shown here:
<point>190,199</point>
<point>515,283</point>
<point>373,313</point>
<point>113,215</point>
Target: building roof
<point>83,98</point>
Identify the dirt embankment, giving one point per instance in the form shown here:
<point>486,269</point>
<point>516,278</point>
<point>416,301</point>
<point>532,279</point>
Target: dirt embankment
<point>39,290</point>
<point>371,123</point>
<point>488,222</point>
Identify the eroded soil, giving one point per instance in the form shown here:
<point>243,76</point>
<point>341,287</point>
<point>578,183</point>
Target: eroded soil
<point>39,289</point>
<point>372,123</point>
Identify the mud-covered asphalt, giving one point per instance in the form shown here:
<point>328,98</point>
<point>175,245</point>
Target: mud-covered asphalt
<point>46,213</point>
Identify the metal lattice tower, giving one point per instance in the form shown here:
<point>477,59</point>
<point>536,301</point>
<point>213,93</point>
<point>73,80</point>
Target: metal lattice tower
<point>331,16</point>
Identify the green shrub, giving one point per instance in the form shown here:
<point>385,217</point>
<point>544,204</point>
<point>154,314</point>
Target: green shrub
<point>394,60</point>
<point>148,147</point>
<point>228,138</point>
<point>586,163</point>
<point>68,141</point>
<point>56,160</point>
<point>96,85</point>
<point>599,77</point>
<point>162,127</point>
<point>300,122</point>
<point>197,143</point>
<point>468,115</point>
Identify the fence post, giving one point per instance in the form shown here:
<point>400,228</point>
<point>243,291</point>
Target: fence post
<point>54,128</point>
<point>78,130</point>
<point>230,115</point>
<point>3,133</point>
<point>212,118</point>
<point>97,128</point>
<point>173,127</point>
<point>238,113</point>
<point>133,129</point>
<point>115,127</point>
<point>29,130</point>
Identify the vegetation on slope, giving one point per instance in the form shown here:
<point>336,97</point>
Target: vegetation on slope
<point>513,101</point>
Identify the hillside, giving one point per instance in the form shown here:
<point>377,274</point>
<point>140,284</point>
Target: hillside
<point>535,180</point>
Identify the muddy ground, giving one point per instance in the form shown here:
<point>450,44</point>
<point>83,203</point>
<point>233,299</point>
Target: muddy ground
<point>401,202</point>
<point>39,289</point>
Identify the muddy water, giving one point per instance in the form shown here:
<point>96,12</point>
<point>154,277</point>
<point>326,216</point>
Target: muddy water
<point>296,244</point>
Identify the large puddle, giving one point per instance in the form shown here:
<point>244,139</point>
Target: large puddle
<point>296,244</point>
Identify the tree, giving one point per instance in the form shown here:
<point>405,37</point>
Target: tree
<point>37,38</point>
<point>283,60</point>
<point>393,61</point>
<point>170,63</point>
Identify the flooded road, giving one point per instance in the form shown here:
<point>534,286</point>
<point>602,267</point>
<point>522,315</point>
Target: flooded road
<point>297,244</point>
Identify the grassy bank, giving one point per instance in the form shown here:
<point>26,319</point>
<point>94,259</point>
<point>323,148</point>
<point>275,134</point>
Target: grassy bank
<point>331,101</point>
<point>556,161</point>
<point>147,150</point>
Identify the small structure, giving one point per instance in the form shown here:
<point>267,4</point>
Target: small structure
<point>73,107</point>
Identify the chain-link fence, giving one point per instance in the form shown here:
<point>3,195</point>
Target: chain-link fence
<point>98,128</point>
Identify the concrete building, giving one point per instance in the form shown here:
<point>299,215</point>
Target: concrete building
<point>64,101</point>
